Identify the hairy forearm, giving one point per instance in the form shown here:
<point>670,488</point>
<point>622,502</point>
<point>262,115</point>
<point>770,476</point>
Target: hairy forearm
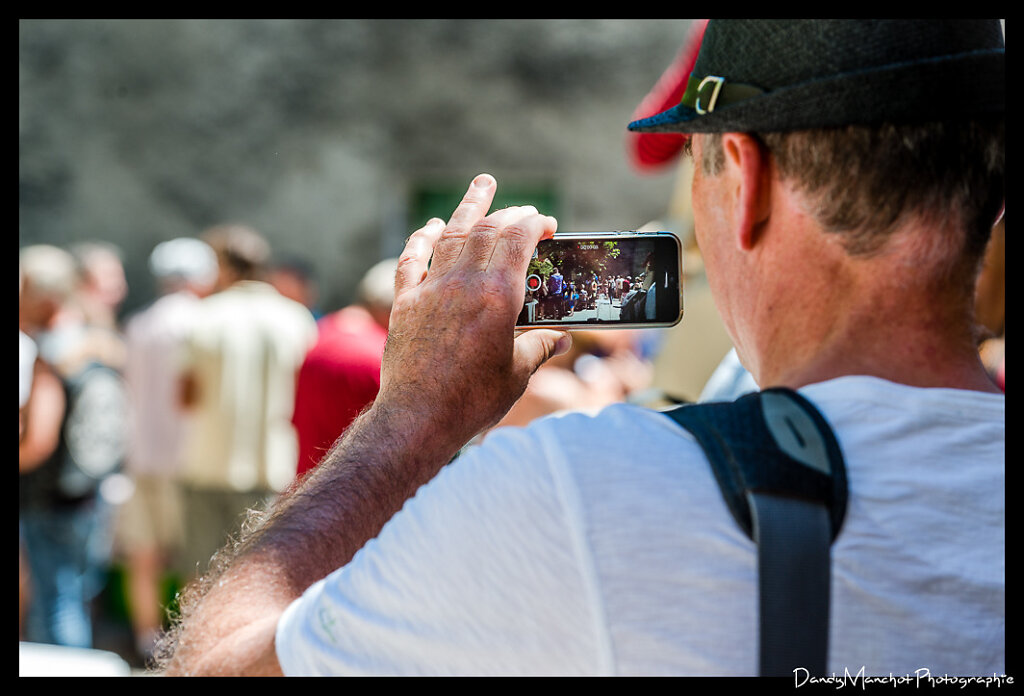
<point>311,530</point>
<point>452,368</point>
<point>380,462</point>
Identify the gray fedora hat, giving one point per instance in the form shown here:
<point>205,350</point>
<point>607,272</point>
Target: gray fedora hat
<point>791,74</point>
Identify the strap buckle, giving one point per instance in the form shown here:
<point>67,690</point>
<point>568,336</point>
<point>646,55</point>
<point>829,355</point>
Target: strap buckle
<point>719,81</point>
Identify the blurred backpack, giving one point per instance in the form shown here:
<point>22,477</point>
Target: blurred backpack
<point>92,440</point>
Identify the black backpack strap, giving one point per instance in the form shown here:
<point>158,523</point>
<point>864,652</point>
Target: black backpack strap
<point>782,475</point>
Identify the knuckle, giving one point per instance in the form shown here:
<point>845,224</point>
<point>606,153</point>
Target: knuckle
<point>486,226</point>
<point>518,240</point>
<point>407,259</point>
<point>454,233</point>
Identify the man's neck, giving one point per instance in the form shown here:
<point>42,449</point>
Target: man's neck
<point>861,318</point>
<point>905,356</point>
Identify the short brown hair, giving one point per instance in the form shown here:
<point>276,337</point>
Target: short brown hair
<point>863,182</point>
<point>239,248</point>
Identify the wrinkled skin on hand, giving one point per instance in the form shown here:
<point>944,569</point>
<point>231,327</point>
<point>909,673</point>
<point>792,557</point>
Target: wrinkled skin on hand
<point>452,357</point>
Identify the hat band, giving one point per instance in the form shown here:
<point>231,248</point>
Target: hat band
<point>703,95</point>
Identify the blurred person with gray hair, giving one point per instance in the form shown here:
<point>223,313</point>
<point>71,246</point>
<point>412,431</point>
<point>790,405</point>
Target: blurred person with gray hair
<point>47,310</point>
<point>341,374</point>
<point>150,526</point>
<point>102,286</point>
<point>238,370</point>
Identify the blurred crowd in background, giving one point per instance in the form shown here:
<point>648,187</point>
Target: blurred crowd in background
<point>143,442</point>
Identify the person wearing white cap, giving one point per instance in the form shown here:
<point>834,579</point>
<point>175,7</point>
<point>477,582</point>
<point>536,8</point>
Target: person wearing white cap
<point>149,529</point>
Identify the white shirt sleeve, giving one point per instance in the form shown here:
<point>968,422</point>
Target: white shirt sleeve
<point>479,574</point>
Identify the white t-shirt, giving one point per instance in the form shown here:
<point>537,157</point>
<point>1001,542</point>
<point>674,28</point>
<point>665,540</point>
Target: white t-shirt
<point>729,381</point>
<point>26,365</point>
<point>587,545</point>
<point>154,339</point>
<point>245,347</point>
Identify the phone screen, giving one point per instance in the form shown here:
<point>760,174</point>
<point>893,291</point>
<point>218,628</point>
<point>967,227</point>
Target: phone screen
<point>604,280</point>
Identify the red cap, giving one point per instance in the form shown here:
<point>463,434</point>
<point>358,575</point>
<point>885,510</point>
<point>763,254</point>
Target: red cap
<point>650,151</point>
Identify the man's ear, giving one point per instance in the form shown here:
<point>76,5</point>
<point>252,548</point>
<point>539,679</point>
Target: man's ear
<point>751,168</point>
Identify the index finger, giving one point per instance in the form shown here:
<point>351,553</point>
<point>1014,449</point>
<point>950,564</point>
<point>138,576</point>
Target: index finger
<point>471,210</point>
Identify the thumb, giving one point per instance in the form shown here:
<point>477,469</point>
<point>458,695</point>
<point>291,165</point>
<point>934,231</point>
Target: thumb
<point>535,347</point>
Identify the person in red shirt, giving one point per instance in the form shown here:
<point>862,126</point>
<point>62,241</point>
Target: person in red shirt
<point>340,375</point>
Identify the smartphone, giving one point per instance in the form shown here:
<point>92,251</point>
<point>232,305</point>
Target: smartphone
<point>604,280</point>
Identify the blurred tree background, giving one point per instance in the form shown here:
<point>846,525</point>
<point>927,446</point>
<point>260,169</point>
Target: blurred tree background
<point>334,138</point>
